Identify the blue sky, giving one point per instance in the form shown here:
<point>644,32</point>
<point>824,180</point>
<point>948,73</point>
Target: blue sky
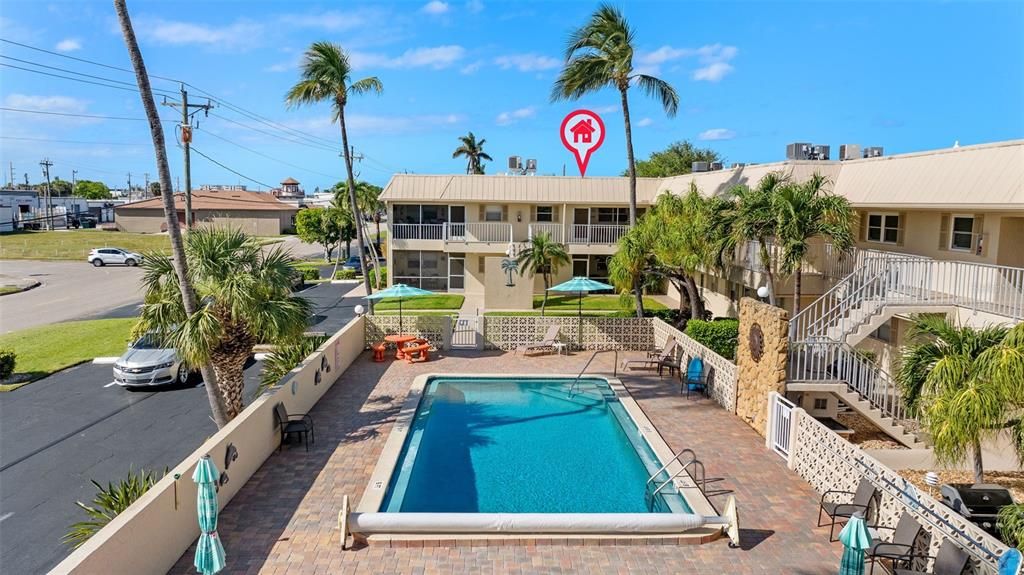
<point>751,77</point>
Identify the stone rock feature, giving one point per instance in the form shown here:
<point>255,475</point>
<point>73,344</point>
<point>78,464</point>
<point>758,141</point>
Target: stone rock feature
<point>760,370</point>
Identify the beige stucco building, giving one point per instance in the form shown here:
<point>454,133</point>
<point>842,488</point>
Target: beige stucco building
<point>254,213</point>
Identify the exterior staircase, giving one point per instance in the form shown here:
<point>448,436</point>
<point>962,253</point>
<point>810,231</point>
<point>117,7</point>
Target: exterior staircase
<point>823,335</point>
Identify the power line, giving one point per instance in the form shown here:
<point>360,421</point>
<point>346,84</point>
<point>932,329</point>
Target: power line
<point>68,141</point>
<point>69,78</point>
<point>131,85</point>
<point>83,60</point>
<point>266,133</point>
<point>235,172</point>
<point>209,133</point>
<point>47,113</point>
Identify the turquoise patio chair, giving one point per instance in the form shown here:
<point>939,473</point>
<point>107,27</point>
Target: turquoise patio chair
<point>695,379</point>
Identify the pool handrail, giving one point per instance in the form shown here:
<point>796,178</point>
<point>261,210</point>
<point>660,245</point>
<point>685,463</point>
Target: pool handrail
<point>615,368</point>
<point>696,463</point>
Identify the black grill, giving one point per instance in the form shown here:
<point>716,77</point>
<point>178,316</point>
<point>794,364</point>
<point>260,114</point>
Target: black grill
<point>979,504</point>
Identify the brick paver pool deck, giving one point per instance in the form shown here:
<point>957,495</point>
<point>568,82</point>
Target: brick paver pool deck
<point>285,518</point>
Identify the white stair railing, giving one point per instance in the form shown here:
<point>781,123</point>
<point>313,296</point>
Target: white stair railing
<point>833,361</point>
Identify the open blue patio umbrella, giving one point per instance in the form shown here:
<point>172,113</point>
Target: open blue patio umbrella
<point>855,539</point>
<point>400,291</point>
<point>580,285</point>
<point>209,552</point>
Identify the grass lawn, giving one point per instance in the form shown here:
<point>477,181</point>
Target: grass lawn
<point>407,314</point>
<point>50,348</point>
<point>75,244</point>
<point>592,303</point>
<point>548,313</point>
<point>438,301</point>
<point>4,290</point>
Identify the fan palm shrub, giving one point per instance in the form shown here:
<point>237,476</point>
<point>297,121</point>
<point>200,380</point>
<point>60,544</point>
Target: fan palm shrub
<point>108,502</point>
<point>542,256</point>
<point>285,358</point>
<point>245,298</point>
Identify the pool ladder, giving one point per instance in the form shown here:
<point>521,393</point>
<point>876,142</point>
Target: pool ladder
<point>693,462</point>
<point>615,369</point>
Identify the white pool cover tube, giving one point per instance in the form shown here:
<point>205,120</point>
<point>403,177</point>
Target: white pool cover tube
<point>368,523</point>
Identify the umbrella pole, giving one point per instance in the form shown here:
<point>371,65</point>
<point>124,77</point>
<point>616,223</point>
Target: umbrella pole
<point>400,328</point>
<point>579,333</point>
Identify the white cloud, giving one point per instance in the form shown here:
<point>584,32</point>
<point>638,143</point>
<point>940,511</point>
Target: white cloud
<point>712,72</point>
<point>612,109</point>
<point>506,118</point>
<point>472,68</point>
<point>436,57</point>
<point>332,20</point>
<point>644,122</point>
<point>713,59</point>
<point>527,62</point>
<point>63,104</point>
<point>68,45</point>
<point>717,134</point>
<point>474,6</point>
<point>280,67</point>
<point>435,7</point>
<point>239,35</point>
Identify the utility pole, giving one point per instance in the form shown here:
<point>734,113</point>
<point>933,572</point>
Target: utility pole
<point>129,187</point>
<point>46,163</point>
<point>12,175</point>
<point>186,141</point>
<point>145,191</point>
<point>74,180</point>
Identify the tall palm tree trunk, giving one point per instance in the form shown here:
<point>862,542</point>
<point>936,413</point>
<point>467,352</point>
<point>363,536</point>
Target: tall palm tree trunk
<point>637,295</point>
<point>696,303</point>
<point>766,263</point>
<point>544,301</point>
<point>356,215</point>
<point>188,295</point>
<point>797,280</point>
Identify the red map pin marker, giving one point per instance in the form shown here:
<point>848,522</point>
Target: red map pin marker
<point>582,133</point>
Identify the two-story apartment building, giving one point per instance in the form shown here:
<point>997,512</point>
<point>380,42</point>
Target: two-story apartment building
<point>960,204</point>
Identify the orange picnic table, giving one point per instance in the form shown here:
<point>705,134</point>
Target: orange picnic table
<point>399,340</point>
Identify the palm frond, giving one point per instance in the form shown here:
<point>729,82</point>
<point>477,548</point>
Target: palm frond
<point>660,89</point>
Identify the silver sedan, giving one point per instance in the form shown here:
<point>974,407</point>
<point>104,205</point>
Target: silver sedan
<point>148,363</point>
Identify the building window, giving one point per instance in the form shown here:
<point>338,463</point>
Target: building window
<point>422,269</point>
<point>492,214</point>
<point>820,403</point>
<point>883,333</point>
<point>613,216</point>
<point>883,228</point>
<point>545,214</point>
<point>962,236</point>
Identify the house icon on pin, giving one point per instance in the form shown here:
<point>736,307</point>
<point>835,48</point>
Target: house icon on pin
<point>582,132</point>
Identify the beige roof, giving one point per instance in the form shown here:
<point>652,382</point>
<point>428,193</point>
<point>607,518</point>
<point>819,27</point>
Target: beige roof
<point>986,176</point>
<point>989,176</point>
<point>517,189</point>
<point>208,200</point>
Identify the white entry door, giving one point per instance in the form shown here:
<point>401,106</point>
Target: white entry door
<point>456,274</point>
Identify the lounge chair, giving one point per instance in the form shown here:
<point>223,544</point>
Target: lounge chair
<point>294,425</point>
<point>950,560</point>
<point>901,547</point>
<point>861,501</point>
<point>547,343</point>
<point>695,379</point>
<point>654,359</point>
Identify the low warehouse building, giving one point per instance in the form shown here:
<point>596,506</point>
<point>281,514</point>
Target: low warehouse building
<point>254,213</point>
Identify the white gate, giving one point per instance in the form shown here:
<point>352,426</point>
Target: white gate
<point>782,416</point>
<point>466,332</point>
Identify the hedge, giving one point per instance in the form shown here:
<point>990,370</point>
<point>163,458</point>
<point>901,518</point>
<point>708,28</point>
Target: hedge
<point>7,361</point>
<point>721,335</point>
<point>345,274</point>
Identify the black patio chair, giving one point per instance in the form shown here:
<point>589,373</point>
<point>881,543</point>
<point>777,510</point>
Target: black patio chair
<point>294,425</point>
<point>901,548</point>
<point>950,560</point>
<point>861,501</point>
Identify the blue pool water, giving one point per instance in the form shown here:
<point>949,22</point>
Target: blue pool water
<point>494,445</point>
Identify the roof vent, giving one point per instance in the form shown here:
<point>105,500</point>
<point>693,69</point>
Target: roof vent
<point>531,167</point>
<point>873,152</point>
<point>700,166</point>
<point>806,151</point>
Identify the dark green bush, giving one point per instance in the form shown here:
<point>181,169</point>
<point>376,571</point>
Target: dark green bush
<point>383,271</point>
<point>345,274</point>
<point>721,335</point>
<point>7,360</point>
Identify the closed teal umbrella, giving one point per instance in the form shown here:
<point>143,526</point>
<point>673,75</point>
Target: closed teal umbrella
<point>400,291</point>
<point>209,552</point>
<point>855,539</point>
<point>581,285</point>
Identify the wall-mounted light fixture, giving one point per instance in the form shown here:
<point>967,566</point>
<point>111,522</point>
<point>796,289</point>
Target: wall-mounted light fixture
<point>519,216</point>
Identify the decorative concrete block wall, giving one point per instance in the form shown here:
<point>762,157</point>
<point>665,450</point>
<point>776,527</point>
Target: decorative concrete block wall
<point>720,372</point>
<point>761,358</point>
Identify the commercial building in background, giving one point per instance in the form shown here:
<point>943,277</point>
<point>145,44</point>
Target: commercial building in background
<point>258,214</point>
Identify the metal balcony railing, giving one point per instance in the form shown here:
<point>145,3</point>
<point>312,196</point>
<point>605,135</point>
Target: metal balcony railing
<point>417,231</point>
<point>596,233</point>
<point>478,232</point>
<point>553,230</point>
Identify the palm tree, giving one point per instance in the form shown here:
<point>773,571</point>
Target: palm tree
<point>246,299</point>
<point>473,150</point>
<point>543,256</point>
<point>600,55</point>
<point>327,76</point>
<point>805,211</point>
<point>633,259</point>
<point>178,261</point>
<point>755,221</point>
<point>965,383</point>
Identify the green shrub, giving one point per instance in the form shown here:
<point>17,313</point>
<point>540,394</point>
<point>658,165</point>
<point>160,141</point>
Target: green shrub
<point>383,271</point>
<point>308,272</point>
<point>7,360</point>
<point>721,335</point>
<point>285,358</point>
<point>108,503</point>
<point>345,274</point>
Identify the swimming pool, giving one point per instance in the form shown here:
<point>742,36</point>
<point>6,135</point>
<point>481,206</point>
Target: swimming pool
<point>495,459</point>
